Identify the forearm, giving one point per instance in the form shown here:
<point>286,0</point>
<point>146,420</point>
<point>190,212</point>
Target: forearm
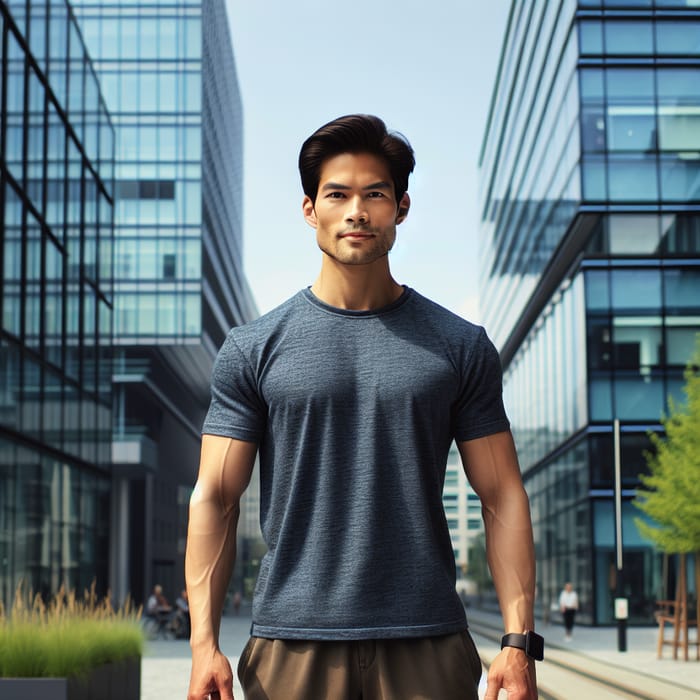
<point>209,560</point>
<point>510,553</point>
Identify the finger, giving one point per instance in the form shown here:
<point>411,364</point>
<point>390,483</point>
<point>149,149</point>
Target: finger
<point>222,695</point>
<point>491,692</point>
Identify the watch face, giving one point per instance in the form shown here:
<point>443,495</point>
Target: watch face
<point>534,645</point>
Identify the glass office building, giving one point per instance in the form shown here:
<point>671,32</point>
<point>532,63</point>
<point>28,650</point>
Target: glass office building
<point>590,203</point>
<point>169,79</point>
<point>463,512</point>
<point>56,213</point>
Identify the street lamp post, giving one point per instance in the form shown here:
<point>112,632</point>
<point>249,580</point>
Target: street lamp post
<point>621,605</point>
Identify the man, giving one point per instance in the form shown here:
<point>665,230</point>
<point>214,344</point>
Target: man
<point>352,392</point>
<point>158,612</point>
<point>157,603</point>
<point>181,619</point>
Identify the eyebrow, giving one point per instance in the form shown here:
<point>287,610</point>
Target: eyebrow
<point>380,185</point>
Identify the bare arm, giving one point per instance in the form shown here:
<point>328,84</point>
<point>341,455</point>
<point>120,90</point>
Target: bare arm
<point>491,465</point>
<point>225,469</point>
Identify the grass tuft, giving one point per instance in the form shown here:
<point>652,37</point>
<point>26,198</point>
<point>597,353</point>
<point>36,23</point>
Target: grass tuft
<point>69,636</point>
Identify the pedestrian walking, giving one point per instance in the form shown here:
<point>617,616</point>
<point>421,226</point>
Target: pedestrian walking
<point>568,604</point>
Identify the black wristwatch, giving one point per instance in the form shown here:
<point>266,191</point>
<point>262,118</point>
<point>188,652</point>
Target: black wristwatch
<point>530,642</point>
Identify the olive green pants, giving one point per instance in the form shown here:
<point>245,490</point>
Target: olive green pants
<point>429,668</point>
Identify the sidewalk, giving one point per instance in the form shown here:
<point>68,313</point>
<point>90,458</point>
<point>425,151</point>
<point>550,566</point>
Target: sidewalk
<point>599,646</point>
<point>166,664</point>
<point>165,667</point>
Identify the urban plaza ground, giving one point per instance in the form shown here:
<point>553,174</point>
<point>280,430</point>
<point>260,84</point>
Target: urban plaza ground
<point>590,667</point>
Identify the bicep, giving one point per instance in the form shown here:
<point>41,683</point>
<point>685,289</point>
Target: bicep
<point>225,469</point>
<point>491,465</point>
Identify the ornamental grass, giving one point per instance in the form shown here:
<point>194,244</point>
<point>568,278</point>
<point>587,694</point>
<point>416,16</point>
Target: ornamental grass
<point>68,636</point>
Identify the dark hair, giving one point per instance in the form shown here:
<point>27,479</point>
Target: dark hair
<point>355,133</point>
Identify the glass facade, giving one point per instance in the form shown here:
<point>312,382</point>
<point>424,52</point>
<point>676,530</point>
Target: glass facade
<point>599,270</point>
<point>169,79</point>
<point>56,213</point>
<point>149,59</point>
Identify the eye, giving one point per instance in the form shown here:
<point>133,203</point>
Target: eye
<point>335,195</point>
<point>376,195</point>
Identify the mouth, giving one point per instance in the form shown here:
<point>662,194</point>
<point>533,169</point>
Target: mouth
<point>357,235</point>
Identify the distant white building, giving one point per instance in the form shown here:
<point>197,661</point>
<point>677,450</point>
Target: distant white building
<point>463,511</point>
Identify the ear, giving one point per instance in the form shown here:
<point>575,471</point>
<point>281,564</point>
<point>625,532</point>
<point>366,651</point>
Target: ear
<point>404,206</point>
<point>307,206</point>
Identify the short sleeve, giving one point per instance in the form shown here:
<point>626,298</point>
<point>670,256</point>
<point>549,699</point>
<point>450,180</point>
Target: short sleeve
<point>236,409</point>
<point>479,410</point>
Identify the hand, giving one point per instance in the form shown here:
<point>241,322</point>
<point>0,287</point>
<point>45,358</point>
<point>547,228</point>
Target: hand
<point>211,677</point>
<point>513,671</point>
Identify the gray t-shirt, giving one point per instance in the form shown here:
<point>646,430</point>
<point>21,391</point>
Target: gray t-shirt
<point>354,413</point>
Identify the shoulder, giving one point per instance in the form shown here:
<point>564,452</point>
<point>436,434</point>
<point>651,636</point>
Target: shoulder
<point>436,315</point>
<point>454,332</point>
<point>259,330</point>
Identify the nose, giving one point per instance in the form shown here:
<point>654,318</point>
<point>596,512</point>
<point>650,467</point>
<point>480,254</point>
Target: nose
<point>357,212</point>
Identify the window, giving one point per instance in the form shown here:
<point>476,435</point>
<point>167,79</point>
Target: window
<point>631,128</point>
<point>146,189</point>
<point>169,266</point>
<point>634,234</point>
<point>678,38</point>
<point>591,37</point>
<point>682,288</point>
<point>633,179</point>
<point>636,289</point>
<point>628,38</point>
<point>681,334</point>
<point>680,233</point>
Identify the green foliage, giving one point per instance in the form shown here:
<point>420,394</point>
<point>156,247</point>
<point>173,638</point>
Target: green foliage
<point>671,492</point>
<point>67,637</point>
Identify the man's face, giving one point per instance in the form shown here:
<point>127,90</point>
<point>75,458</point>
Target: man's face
<point>356,212</point>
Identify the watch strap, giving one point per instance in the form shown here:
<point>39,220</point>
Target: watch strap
<point>530,642</point>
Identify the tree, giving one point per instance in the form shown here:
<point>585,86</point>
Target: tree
<point>670,496</point>
<point>671,493</point>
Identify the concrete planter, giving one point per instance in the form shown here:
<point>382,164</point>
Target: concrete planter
<point>119,680</point>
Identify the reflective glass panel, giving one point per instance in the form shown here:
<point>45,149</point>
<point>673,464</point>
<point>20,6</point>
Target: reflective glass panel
<point>678,38</point>
<point>627,85</point>
<point>680,233</point>
<point>600,398</point>
<point>15,132</point>
<point>639,399</point>
<point>681,335</point>
<point>591,37</point>
<point>12,262</point>
<point>597,290</point>
<point>680,179</point>
<point>637,342</point>
<point>633,179</point>
<point>594,179</point>
<point>633,233</point>
<point>679,128</point>
<point>679,84</point>
<point>682,289</point>
<point>636,289</point>
<point>631,128</point>
<point>628,38</point>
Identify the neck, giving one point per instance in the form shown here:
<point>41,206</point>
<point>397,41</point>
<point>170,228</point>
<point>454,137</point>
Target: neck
<point>356,287</point>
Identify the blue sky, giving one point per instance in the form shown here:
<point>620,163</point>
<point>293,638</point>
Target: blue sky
<point>426,68</point>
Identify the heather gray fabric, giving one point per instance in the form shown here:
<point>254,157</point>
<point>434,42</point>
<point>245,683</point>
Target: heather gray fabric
<point>354,413</point>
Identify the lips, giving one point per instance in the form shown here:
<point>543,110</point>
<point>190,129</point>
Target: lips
<point>357,234</point>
